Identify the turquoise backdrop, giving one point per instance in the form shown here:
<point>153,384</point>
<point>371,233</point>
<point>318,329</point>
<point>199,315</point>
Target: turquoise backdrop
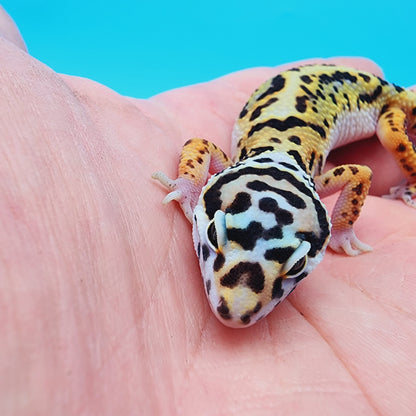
<point>140,48</point>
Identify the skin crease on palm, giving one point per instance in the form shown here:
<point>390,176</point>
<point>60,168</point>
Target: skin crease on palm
<point>102,304</point>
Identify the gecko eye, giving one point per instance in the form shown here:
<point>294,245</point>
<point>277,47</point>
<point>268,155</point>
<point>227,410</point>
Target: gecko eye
<point>212,234</point>
<point>297,267</point>
<point>297,261</point>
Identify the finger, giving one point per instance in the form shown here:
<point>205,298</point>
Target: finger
<point>9,30</point>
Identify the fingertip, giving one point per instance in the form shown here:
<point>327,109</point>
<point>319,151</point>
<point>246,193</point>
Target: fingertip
<point>360,63</point>
<point>9,30</point>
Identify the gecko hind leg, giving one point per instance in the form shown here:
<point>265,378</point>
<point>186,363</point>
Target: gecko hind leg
<point>392,133</point>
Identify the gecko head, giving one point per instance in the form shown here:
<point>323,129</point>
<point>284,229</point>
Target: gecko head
<point>259,228</point>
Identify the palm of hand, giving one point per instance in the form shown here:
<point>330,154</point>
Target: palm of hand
<point>104,300</point>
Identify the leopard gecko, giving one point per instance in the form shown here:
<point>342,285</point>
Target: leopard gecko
<point>259,226</point>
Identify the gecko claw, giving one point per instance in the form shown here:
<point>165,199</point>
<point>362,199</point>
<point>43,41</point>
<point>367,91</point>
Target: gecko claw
<point>183,190</point>
<point>405,192</point>
<point>346,242</point>
<point>172,196</point>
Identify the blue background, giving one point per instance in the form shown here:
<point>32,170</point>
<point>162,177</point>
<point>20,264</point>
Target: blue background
<point>140,48</point>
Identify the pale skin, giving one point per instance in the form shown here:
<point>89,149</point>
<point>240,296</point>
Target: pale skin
<point>101,299</point>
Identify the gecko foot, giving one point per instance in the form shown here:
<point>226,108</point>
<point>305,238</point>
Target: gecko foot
<point>345,241</point>
<point>406,192</point>
<point>183,190</point>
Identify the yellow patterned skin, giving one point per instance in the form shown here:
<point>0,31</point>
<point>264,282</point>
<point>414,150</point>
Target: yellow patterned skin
<point>259,226</point>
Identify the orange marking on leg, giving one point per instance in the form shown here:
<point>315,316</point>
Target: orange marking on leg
<point>199,156</point>
<point>391,131</point>
<point>354,182</point>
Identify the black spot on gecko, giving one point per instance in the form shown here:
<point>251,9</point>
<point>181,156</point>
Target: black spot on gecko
<point>296,155</point>
<point>205,252</point>
<point>245,319</point>
<point>259,150</point>
<point>246,237</point>
<point>243,153</point>
<point>276,84</point>
<point>358,189</point>
<point>223,309</point>
<point>219,262</point>
<point>279,254</point>
<point>339,171</point>
<point>320,95</point>
<point>244,112</point>
<point>256,113</point>
<point>291,198</point>
<point>274,232</point>
<point>369,98</point>
<point>332,96</point>
<point>401,147</point>
<point>289,166</point>
<point>264,160</point>
<point>337,76</point>
<point>280,125</point>
<point>277,291</point>
<point>283,217</point>
<point>320,130</point>
<point>301,103</point>
<point>354,170</point>
<point>275,140</point>
<point>365,77</point>
<point>257,307</point>
<point>306,78</point>
<point>320,163</point>
<point>309,92</point>
<point>241,203</point>
<point>348,101</point>
<point>384,109</point>
<point>256,279</point>
<point>397,88</point>
<point>247,274</point>
<point>208,286</point>
<point>295,139</point>
<point>311,161</point>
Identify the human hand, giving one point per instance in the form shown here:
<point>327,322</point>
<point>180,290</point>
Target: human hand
<point>103,308</point>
